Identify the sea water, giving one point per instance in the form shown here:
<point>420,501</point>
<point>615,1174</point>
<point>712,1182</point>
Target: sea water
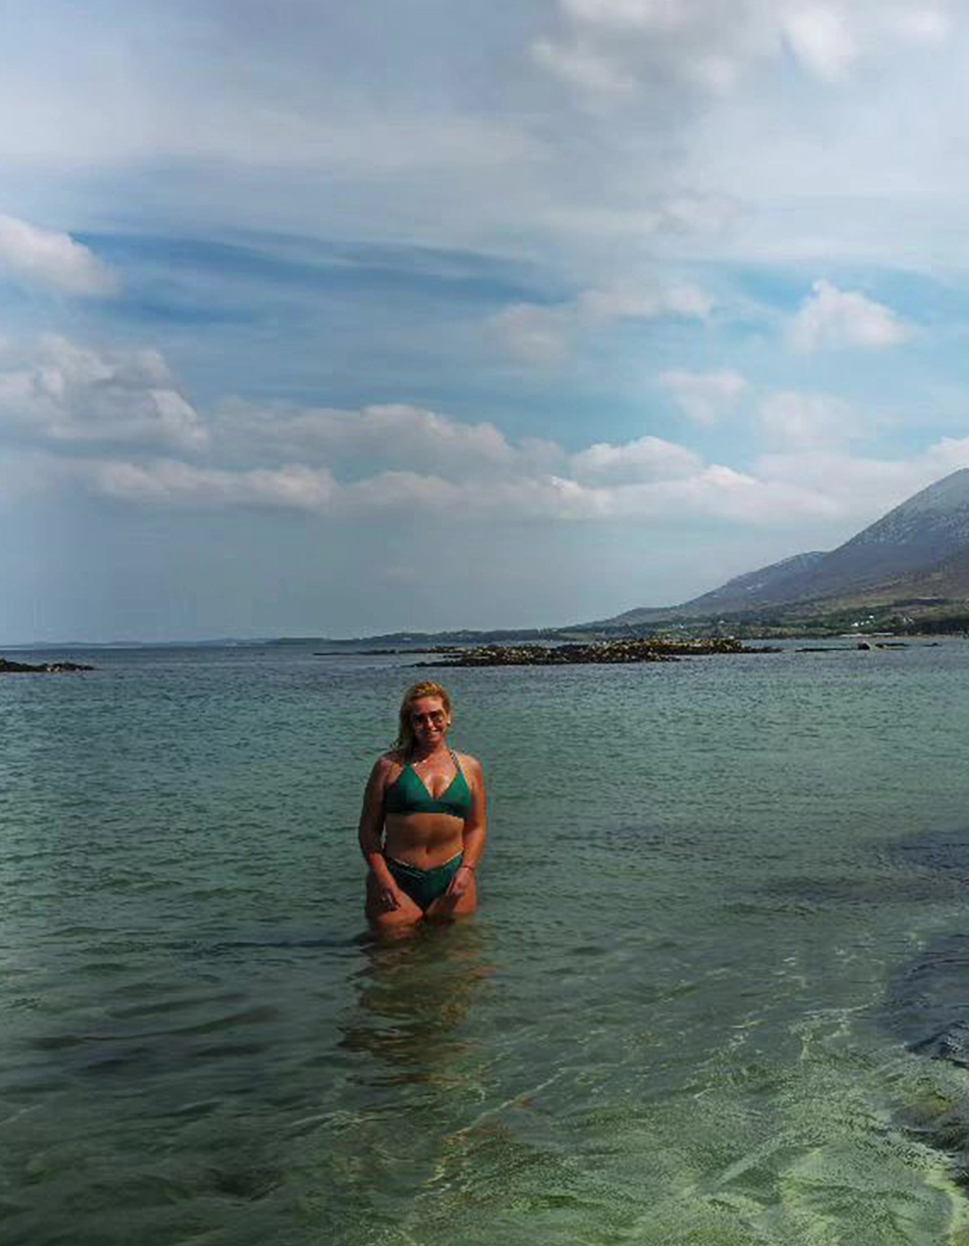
<point>700,1002</point>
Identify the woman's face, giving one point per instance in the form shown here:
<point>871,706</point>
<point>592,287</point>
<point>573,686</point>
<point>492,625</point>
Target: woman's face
<point>430,720</point>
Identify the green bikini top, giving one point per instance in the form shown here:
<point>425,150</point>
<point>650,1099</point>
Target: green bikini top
<point>408,794</point>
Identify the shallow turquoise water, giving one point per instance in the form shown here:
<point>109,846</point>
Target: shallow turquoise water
<point>671,1021</point>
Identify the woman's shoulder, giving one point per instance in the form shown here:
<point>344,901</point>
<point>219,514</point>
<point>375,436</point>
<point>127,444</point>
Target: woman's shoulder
<point>470,764</point>
<point>388,765</point>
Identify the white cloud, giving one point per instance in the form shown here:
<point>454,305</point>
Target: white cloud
<point>820,38</point>
<point>704,396</point>
<point>545,334</point>
<point>811,478</point>
<point>926,24</point>
<point>631,14</point>
<point>655,44</point>
<point>397,459</point>
<point>830,317</point>
<point>632,303</point>
<point>804,421</point>
<point>538,334</point>
<point>169,483</point>
<point>61,392</point>
<point>645,482</point>
<point>598,75</point>
<point>611,50</point>
<point>648,459</point>
<point>45,257</point>
<point>690,212</point>
<point>682,216</point>
<point>710,492</point>
<point>861,489</point>
<point>466,472</point>
<point>397,432</point>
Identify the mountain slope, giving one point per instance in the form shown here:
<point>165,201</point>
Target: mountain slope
<point>920,548</point>
<point>922,531</point>
<point>752,587</point>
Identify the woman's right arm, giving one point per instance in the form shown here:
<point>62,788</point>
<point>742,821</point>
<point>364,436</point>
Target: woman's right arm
<point>371,832</point>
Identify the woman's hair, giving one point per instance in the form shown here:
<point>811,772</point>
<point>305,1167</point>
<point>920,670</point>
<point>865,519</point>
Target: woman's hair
<point>405,735</point>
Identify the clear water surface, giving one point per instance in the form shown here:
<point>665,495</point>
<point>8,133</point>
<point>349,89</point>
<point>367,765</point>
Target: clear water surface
<point>715,897</point>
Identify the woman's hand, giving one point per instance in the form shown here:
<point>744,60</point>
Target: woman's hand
<point>460,882</point>
<point>390,897</point>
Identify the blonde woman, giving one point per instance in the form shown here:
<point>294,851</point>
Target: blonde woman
<point>423,825</point>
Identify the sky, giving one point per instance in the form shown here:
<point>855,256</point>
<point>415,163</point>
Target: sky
<point>337,319</point>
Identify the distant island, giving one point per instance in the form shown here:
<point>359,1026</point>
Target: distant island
<point>603,652</point>
<point>43,668</point>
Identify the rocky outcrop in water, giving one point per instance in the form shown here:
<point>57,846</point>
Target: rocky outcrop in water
<point>45,668</point>
<point>609,652</point>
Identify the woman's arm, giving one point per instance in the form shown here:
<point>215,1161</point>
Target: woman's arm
<point>475,833</point>
<point>371,832</point>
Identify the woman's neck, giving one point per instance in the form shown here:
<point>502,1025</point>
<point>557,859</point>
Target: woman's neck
<point>419,755</point>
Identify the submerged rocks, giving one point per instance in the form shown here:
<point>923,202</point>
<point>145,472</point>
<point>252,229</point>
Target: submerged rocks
<point>45,668</point>
<point>611,652</point>
<point>926,1004</point>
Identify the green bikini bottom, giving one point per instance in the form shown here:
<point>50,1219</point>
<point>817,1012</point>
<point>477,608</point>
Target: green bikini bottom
<point>424,886</point>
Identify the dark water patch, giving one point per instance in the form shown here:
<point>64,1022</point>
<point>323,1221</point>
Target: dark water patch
<point>76,932</point>
<point>683,844</point>
<point>160,1205</point>
<point>195,949</point>
<point>590,950</point>
<point>766,909</point>
<point>927,1002</point>
<point>246,1183</point>
<point>103,968</point>
<point>26,1084</point>
<point>927,1007</point>
<point>951,1043</point>
<point>820,892</point>
<point>23,1003</point>
<point>946,851</point>
<point>151,987</point>
<point>117,1061</point>
<point>137,1057</point>
<point>286,945</point>
<point>258,1014</point>
<point>194,1111</point>
<point>166,1006</point>
<point>218,1051</point>
<point>58,1042</point>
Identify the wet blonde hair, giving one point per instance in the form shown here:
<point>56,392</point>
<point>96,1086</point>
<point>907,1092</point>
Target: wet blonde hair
<point>428,688</point>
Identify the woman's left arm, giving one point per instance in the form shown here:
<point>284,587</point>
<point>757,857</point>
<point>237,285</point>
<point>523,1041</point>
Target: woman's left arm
<point>475,833</point>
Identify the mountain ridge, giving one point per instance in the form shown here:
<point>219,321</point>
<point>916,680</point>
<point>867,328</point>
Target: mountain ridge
<point>920,548</point>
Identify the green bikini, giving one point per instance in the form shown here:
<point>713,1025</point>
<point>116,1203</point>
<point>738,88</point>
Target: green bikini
<point>408,794</point>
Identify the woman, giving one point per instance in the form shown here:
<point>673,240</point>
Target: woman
<point>423,828</point>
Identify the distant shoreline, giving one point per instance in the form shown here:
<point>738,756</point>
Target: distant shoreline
<point>441,642</point>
